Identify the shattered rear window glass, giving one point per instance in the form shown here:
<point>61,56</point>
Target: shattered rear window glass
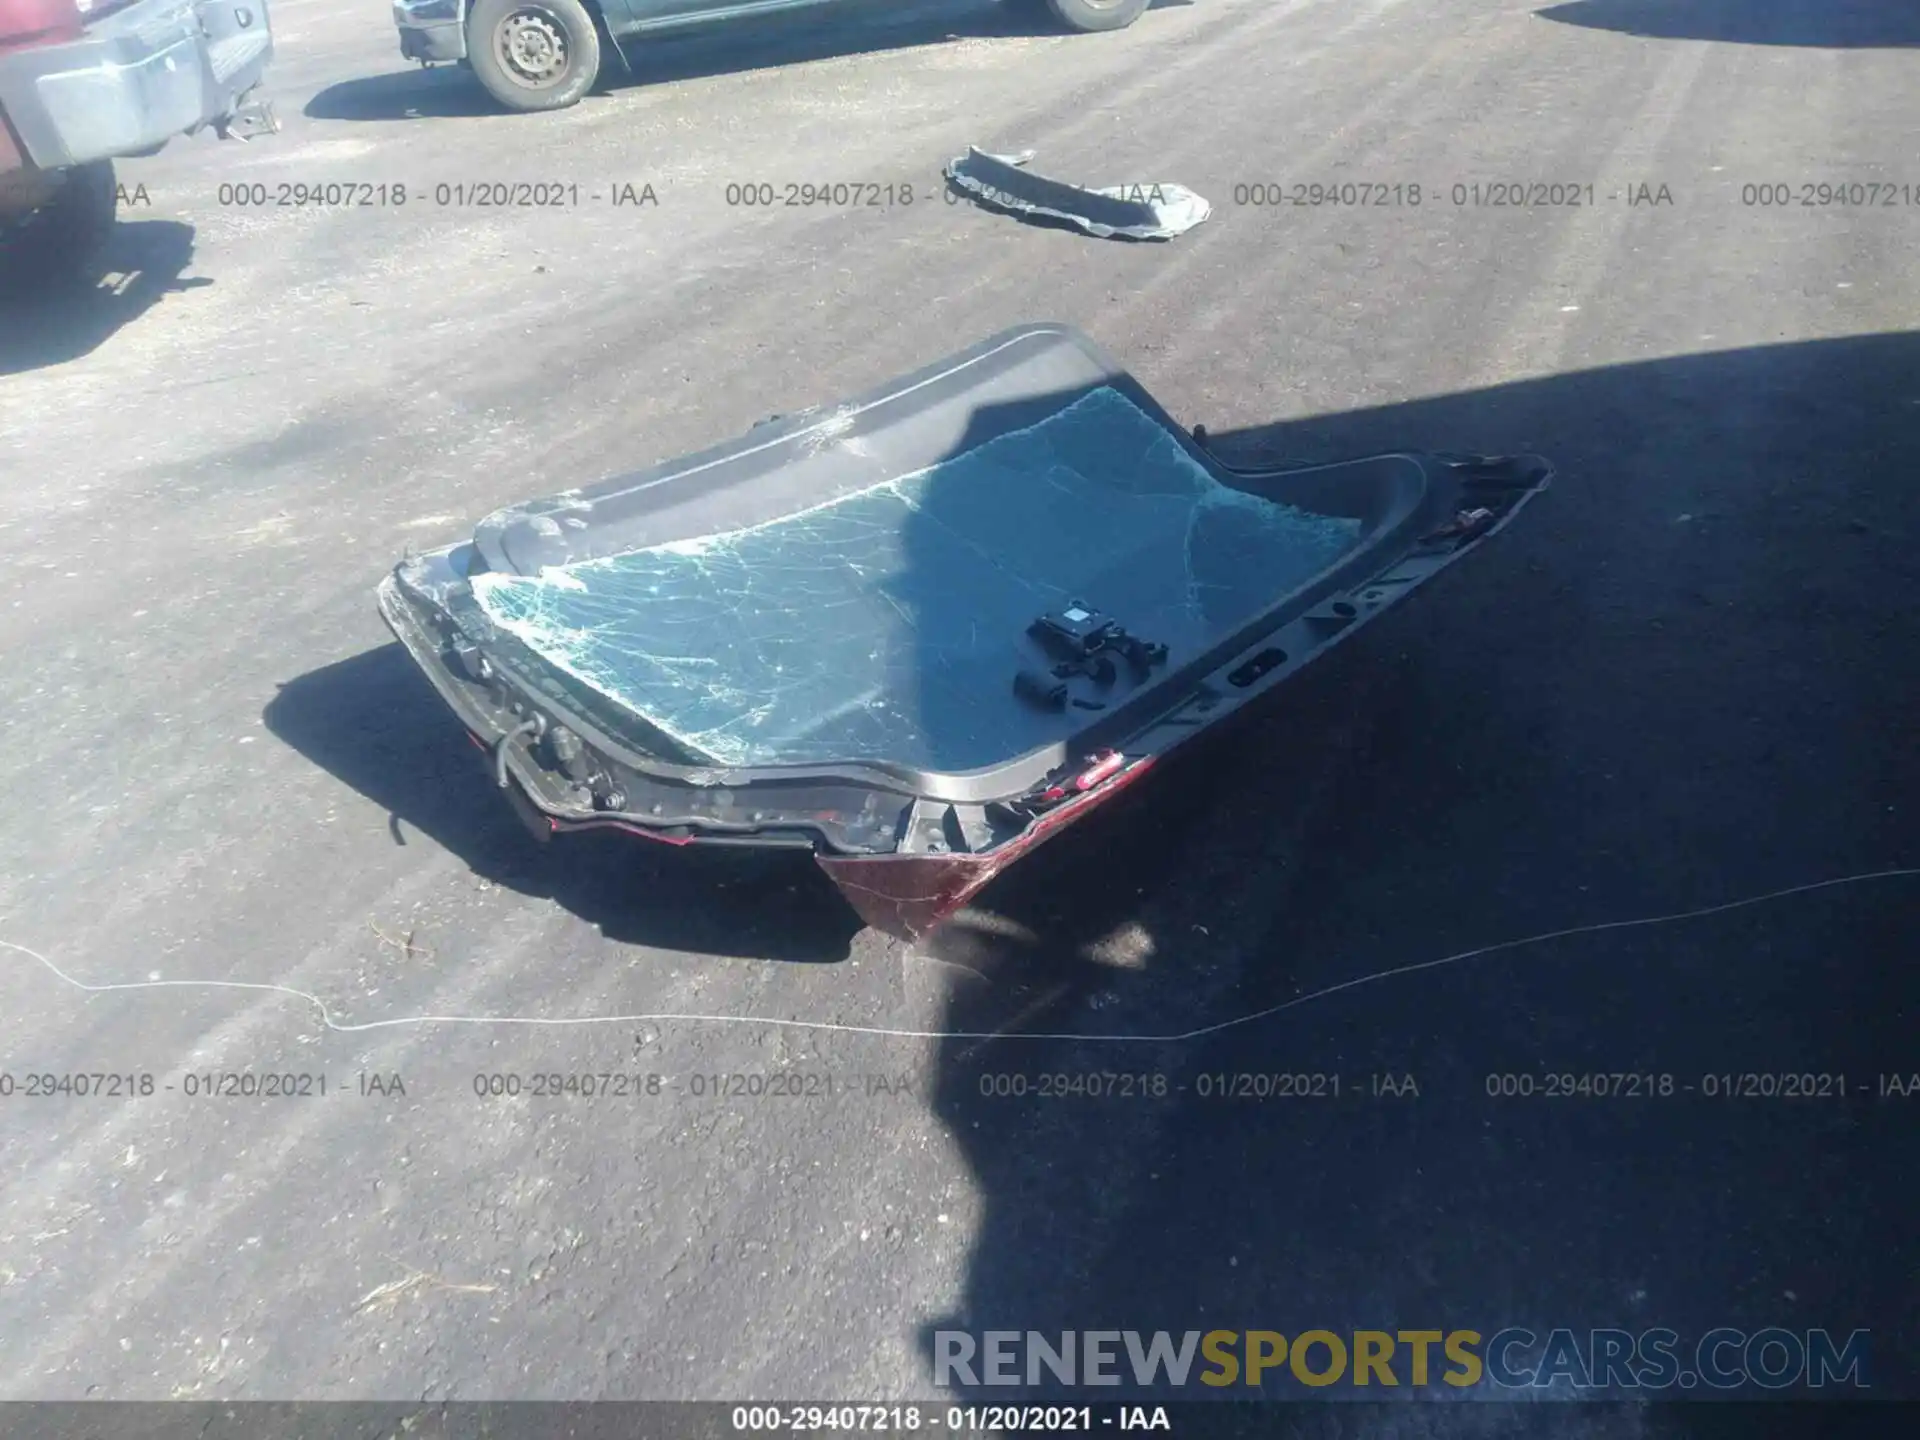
<point>885,625</point>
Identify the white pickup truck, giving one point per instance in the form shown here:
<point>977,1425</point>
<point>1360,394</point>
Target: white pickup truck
<point>84,82</point>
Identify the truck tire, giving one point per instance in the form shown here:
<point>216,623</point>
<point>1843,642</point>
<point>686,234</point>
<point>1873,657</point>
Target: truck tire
<point>534,54</point>
<point>59,246</point>
<point>1097,14</point>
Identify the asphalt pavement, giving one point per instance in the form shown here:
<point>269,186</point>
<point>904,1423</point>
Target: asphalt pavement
<point>1644,246</point>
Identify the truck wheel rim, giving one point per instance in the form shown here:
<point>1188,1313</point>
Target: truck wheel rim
<point>532,48</point>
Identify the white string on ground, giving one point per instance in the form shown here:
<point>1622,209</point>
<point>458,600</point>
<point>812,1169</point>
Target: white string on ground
<point>834,1027</point>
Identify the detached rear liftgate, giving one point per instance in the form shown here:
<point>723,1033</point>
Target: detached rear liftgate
<point>920,632</point>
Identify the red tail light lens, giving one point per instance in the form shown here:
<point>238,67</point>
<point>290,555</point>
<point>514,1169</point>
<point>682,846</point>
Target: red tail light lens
<point>39,22</point>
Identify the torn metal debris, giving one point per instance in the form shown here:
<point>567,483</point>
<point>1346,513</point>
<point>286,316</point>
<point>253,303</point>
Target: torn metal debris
<point>1157,211</point>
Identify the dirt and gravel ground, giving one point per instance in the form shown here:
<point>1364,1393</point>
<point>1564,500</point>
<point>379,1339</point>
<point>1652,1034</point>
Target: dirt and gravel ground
<point>1687,677</point>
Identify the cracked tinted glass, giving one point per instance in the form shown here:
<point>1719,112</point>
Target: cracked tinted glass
<point>887,625</point>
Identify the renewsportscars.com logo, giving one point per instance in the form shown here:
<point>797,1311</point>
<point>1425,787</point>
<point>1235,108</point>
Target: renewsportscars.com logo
<point>1724,1359</point>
